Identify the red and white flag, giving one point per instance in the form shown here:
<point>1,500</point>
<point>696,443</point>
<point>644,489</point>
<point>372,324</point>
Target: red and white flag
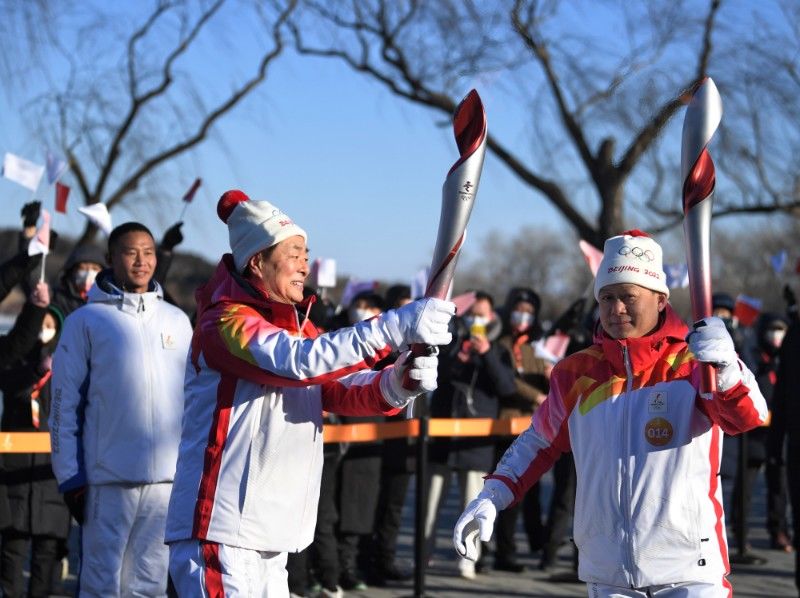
<point>56,166</point>
<point>62,193</point>
<point>22,171</point>
<point>557,344</point>
<point>354,287</point>
<point>592,255</point>
<point>189,196</point>
<point>40,243</point>
<point>463,302</point>
<point>746,310</point>
<point>323,272</point>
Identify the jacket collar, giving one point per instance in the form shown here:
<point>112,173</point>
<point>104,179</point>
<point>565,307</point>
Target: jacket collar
<point>228,286</point>
<point>643,351</point>
<point>105,290</point>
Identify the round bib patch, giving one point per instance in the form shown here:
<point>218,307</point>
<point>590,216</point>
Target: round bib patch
<point>658,431</point>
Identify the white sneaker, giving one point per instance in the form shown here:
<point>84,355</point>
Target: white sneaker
<point>325,593</point>
<point>466,568</point>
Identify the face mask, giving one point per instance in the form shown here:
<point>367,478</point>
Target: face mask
<point>46,335</point>
<point>521,319</point>
<point>359,315</point>
<point>84,279</point>
<point>774,337</point>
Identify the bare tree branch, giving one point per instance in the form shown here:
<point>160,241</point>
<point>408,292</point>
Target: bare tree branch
<point>133,180</point>
<point>137,102</point>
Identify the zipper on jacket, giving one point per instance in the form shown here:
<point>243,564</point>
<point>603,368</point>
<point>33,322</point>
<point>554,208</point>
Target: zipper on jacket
<point>626,475</point>
<point>149,377</point>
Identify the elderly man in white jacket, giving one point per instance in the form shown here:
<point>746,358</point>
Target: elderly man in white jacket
<point>115,422</point>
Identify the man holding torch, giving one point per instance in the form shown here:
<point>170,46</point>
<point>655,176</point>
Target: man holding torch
<point>645,435</point>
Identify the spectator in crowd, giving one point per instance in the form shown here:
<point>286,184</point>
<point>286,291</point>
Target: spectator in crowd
<point>397,466</point>
<point>473,375</point>
<point>532,374</point>
<point>784,432</point>
<point>359,474</point>
<point>770,331</point>
<point>258,380</point>
<point>646,443</point>
<point>40,520</point>
<point>21,266</point>
<point>115,419</point>
<point>25,333</point>
<point>172,238</point>
<point>577,322</point>
<point>723,306</point>
<point>77,276</point>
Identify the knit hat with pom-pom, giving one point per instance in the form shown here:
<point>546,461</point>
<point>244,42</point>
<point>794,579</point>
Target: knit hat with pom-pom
<point>632,257</point>
<point>253,225</point>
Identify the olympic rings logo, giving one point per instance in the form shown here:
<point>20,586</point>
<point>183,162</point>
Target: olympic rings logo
<point>642,254</point>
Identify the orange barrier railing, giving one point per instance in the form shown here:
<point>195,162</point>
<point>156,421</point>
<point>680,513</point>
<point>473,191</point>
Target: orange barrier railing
<point>39,442</point>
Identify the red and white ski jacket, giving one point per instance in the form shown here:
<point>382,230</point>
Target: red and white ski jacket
<point>250,457</point>
<point>647,451</point>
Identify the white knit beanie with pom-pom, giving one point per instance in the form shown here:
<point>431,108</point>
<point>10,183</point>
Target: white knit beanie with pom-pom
<point>253,225</point>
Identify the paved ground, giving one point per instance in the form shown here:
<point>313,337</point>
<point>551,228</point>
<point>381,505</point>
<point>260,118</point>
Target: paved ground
<point>773,579</point>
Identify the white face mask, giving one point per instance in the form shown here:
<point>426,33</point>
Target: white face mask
<point>46,335</point>
<point>84,279</point>
<point>521,319</point>
<point>775,337</point>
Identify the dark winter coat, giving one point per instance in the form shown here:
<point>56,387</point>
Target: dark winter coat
<point>785,405</point>
<point>36,507</point>
<point>16,271</point>
<point>469,390</point>
<point>530,379</point>
<point>23,336</point>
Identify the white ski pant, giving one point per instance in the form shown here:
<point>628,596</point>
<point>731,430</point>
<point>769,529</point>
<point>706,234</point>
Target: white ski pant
<point>210,570</point>
<point>122,541</point>
<point>673,590</point>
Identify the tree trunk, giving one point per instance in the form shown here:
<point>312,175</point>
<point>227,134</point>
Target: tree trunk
<point>89,234</point>
<point>611,221</point>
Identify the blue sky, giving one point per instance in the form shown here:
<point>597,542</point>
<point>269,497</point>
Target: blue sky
<point>360,169</point>
<point>356,167</point>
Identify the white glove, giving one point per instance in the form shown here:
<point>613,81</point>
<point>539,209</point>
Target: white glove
<point>422,369</point>
<point>710,342</point>
<point>478,518</point>
<point>422,321</point>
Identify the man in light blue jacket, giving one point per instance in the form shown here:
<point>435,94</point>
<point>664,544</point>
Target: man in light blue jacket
<point>115,421</point>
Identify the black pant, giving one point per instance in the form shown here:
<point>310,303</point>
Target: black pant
<point>793,471</point>
<point>394,486</point>
<point>776,496</point>
<point>562,506</point>
<point>44,558</point>
<point>297,572</point>
<point>324,550</point>
<point>507,524</point>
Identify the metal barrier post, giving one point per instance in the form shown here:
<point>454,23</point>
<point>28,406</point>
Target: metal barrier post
<point>421,510</point>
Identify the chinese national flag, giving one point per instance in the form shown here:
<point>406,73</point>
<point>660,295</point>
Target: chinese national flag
<point>62,192</point>
<point>747,310</point>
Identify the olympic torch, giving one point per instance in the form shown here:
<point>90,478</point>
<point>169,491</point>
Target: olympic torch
<point>699,178</point>
<point>458,196</point>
